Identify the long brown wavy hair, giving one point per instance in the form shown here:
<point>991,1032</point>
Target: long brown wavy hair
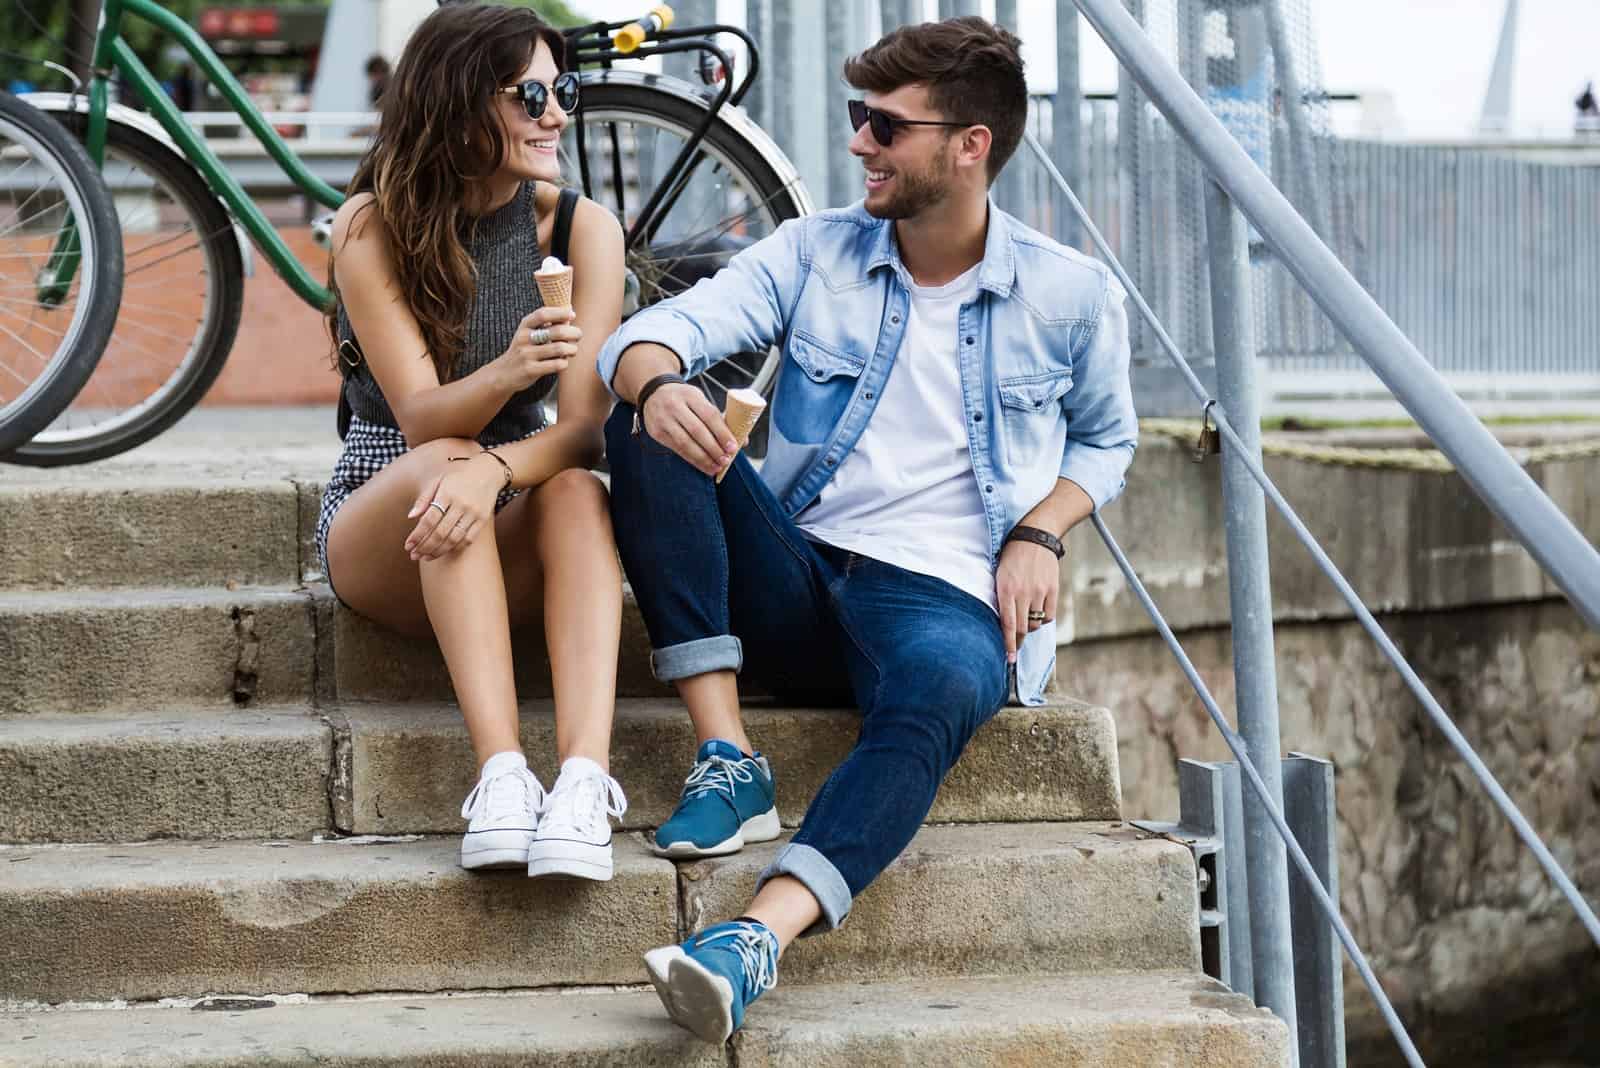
<point>440,131</point>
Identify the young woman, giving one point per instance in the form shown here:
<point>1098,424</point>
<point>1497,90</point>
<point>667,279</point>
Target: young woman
<point>454,510</point>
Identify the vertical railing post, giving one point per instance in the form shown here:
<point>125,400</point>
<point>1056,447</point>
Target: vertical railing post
<point>1250,598</point>
<point>1066,134</point>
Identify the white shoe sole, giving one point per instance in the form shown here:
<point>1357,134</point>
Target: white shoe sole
<point>762,828</point>
<point>559,856</point>
<point>495,849</point>
<point>696,998</point>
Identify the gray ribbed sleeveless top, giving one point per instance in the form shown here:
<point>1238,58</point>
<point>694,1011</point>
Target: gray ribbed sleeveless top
<point>504,246</point>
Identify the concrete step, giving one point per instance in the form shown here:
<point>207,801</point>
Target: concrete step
<point>1103,1021</point>
<point>186,919</point>
<point>142,532</point>
<point>172,919</point>
<point>372,663</point>
<point>238,773</point>
<point>94,650</point>
<point>405,768</point>
<point>997,899</point>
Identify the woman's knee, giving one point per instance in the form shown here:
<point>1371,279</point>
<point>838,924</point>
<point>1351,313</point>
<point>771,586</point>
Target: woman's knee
<point>574,498</point>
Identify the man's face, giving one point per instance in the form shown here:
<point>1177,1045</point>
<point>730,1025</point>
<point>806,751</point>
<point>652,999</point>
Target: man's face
<point>916,171</point>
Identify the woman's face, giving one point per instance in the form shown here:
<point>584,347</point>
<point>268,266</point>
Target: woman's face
<point>532,144</point>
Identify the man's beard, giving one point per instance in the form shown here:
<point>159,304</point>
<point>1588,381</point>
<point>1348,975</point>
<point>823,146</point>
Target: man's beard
<point>915,192</point>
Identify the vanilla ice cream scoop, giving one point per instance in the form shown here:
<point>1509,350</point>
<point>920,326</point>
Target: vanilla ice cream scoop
<point>554,280</point>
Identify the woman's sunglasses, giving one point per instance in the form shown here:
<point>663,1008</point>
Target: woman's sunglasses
<point>884,126</point>
<point>534,94</point>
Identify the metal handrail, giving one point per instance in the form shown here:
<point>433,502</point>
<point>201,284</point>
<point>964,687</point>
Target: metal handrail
<point>1509,491</point>
<point>1248,770</point>
<point>1489,469</point>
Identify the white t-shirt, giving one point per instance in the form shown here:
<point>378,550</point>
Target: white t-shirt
<point>907,494</point>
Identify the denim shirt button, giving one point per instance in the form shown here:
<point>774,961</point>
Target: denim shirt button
<point>830,461</point>
<point>970,340</point>
<point>894,319</point>
<point>977,417</point>
<point>989,488</point>
<point>867,395</point>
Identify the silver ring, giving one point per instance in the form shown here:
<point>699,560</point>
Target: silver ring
<point>436,504</point>
<point>539,335</point>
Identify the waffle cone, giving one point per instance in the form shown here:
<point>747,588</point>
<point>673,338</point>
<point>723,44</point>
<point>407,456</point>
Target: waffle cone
<point>555,287</point>
<point>742,411</point>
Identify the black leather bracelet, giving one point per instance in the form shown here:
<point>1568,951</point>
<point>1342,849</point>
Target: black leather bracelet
<point>644,396</point>
<point>1038,537</point>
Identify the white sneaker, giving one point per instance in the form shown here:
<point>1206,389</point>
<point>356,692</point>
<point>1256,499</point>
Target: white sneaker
<point>574,836</point>
<point>502,814</point>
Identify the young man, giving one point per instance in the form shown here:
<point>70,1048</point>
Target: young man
<point>953,398</point>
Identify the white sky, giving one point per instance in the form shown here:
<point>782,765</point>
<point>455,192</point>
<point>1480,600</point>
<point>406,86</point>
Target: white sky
<point>1432,56</point>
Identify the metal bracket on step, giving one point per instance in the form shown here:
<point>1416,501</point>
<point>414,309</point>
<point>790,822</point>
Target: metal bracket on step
<point>1211,824</point>
<point>1209,819</point>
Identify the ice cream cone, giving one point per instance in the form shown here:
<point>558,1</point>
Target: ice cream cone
<point>743,409</point>
<point>555,287</point>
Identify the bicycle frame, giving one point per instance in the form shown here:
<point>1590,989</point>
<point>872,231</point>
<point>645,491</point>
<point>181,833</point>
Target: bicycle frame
<point>586,44</point>
<point>111,51</point>
<point>592,44</point>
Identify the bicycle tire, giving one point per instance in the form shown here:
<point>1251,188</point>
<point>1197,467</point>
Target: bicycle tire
<point>758,163</point>
<point>98,278</point>
<point>219,325</point>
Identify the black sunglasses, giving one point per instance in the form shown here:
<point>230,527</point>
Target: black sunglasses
<point>534,94</point>
<point>884,126</point>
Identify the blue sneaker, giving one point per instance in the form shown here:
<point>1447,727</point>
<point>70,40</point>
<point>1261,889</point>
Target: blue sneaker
<point>726,802</point>
<point>706,983</point>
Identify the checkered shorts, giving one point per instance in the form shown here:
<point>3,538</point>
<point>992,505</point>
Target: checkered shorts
<point>368,449</point>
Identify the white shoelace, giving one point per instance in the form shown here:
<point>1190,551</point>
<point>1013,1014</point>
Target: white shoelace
<point>589,801</point>
<point>716,774</point>
<point>497,794</point>
<point>757,955</point>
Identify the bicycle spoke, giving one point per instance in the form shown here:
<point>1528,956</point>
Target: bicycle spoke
<point>42,357</point>
<point>32,322</point>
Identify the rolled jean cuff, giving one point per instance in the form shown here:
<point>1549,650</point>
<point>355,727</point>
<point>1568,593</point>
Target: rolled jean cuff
<point>722,652</point>
<point>799,861</point>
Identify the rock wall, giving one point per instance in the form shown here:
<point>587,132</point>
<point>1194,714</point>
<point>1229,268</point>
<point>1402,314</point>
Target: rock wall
<point>1481,954</point>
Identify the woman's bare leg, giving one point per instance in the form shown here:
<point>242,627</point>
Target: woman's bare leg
<point>460,598</point>
<point>569,524</point>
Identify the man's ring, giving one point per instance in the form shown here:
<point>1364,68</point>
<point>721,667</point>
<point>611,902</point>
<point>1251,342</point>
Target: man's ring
<point>436,504</point>
<point>1038,617</point>
<point>539,335</point>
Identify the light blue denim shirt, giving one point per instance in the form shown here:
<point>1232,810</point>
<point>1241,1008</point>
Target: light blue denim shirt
<point>1043,352</point>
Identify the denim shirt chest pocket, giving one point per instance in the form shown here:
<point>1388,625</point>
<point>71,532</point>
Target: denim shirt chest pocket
<point>1030,409</point>
<point>814,386</point>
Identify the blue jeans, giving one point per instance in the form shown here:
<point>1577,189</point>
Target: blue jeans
<point>726,581</point>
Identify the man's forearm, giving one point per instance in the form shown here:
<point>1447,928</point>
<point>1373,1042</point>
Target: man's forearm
<point>641,362</point>
<point>1066,507</point>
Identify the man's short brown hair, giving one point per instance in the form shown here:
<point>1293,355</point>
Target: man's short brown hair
<point>971,67</point>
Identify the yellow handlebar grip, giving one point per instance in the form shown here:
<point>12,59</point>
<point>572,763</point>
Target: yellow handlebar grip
<point>634,34</point>
<point>629,37</point>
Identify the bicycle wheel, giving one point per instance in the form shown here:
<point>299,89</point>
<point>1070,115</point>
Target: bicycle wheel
<point>183,295</point>
<point>51,335</point>
<point>740,190</point>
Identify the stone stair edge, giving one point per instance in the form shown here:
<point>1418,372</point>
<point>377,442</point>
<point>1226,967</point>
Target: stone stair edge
<point>398,914</point>
<point>1160,1018</point>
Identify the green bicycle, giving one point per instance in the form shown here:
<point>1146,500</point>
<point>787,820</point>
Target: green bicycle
<point>692,178</point>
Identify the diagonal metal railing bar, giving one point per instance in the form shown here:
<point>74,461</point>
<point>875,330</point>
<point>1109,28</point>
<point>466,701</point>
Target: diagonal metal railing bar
<point>1552,539</point>
<point>1236,744</point>
<point>1418,688</point>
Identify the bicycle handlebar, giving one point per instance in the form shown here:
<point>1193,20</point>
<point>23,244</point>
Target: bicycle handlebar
<point>641,30</point>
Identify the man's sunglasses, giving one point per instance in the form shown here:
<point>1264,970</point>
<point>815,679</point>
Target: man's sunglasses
<point>884,126</point>
<point>534,94</point>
